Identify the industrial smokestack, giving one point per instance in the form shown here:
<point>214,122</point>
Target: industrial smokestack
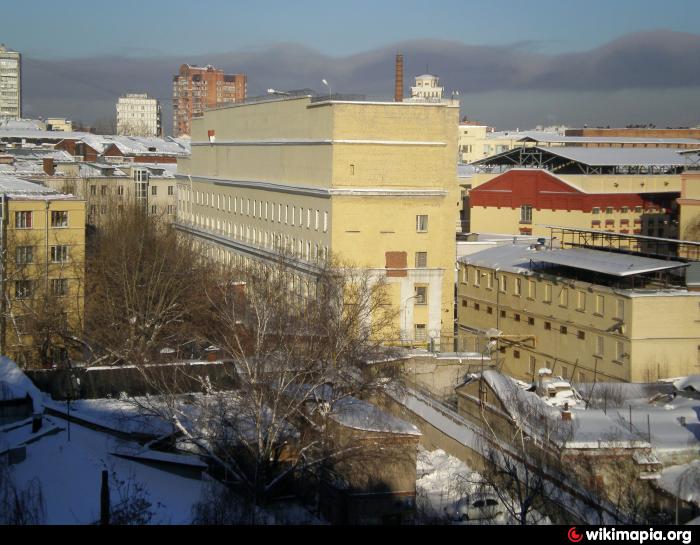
<point>398,86</point>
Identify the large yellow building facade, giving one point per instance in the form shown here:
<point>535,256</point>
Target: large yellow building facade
<point>584,324</point>
<point>373,183</point>
<point>43,271</point>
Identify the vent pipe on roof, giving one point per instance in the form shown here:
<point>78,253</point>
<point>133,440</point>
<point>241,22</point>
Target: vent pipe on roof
<point>398,85</point>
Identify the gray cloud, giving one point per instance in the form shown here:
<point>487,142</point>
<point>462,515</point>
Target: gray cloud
<point>537,86</point>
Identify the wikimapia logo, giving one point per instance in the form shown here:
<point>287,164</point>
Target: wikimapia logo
<point>639,536</point>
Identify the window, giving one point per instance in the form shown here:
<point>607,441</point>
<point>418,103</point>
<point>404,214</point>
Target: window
<point>625,209</point>
<point>103,190</point>
<point>120,190</point>
<point>171,209</point>
<point>581,335</point>
<point>609,210</point>
<point>564,298</point>
<point>154,209</point>
<point>325,222</point>
<point>25,254</point>
<point>421,260</point>
<point>563,330</point>
<point>421,295</point>
<point>171,191</point>
<point>59,254</point>
<point>600,305</point>
<point>477,306</point>
<point>23,289</point>
<point>531,289</point>
<point>516,317</point>
<point>93,190</point>
<point>59,287</point>
<point>548,325</point>
<point>489,280</point>
<point>599,346</point>
<point>530,321</point>
<point>619,351</point>
<point>422,224</point>
<point>154,190</point>
<point>23,220</point>
<point>502,283</point>
<point>620,310</point>
<point>517,286</point>
<point>103,209</point>
<point>580,300</point>
<point>93,209</point>
<point>315,222</point>
<point>533,365</point>
<point>503,314</point>
<point>564,373</point>
<point>464,303</point>
<point>595,210</point>
<point>547,293</point>
<point>421,333</point>
<point>59,219</point>
<point>489,310</point>
<point>516,354</point>
<point>526,213</point>
<point>477,277</point>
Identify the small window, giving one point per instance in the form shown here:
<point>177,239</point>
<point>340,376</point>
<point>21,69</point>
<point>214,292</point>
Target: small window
<point>599,346</point>
<point>422,224</point>
<point>421,332</point>
<point>595,210</point>
<point>23,289</point>
<point>25,255</point>
<point>120,190</point>
<point>171,191</point>
<point>59,287</point>
<point>564,298</point>
<point>489,310</point>
<point>502,283</point>
<point>503,314</point>
<point>581,335</point>
<point>421,260</point>
<point>154,209</point>
<point>23,220</point>
<point>600,305</point>
<point>516,317</point>
<point>526,213</point>
<point>547,293</point>
<point>609,210</point>
<point>563,330</point>
<point>93,190</point>
<point>59,254</point>
<point>477,306</point>
<point>516,354</point>
<point>103,190</point>
<point>580,300</point>
<point>548,325</point>
<point>154,191</point>
<point>530,321</point>
<point>464,303</point>
<point>421,295</point>
<point>59,218</point>
<point>517,286</point>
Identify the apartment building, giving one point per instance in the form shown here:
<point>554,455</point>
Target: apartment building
<point>626,191</point>
<point>588,315</point>
<point>10,83</point>
<point>43,271</point>
<point>196,88</point>
<point>138,115</point>
<point>373,183</point>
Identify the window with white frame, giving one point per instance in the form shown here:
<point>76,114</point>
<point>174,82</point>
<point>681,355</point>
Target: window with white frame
<point>526,213</point>
<point>59,218</point>
<point>23,220</point>
<point>59,254</point>
<point>422,223</point>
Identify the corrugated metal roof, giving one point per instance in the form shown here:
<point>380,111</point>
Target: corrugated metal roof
<point>519,258</point>
<point>557,138</point>
<point>620,156</point>
<point>17,186</point>
<point>610,263</point>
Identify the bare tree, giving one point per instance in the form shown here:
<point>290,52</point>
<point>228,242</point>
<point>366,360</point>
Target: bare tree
<point>145,287</point>
<point>296,343</point>
<point>20,506</point>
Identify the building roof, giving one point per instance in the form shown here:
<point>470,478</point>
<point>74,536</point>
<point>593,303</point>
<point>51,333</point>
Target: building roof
<point>18,188</point>
<point>621,156</point>
<point>556,138</point>
<point>614,264</point>
<point>520,258</point>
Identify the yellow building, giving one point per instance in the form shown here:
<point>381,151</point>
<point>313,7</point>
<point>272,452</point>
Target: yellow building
<point>371,182</point>
<point>588,315</point>
<point>43,271</point>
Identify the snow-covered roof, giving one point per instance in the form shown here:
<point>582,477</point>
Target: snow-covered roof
<point>14,384</point>
<point>361,415</point>
<point>682,480</point>
<point>691,382</point>
<point>15,187</point>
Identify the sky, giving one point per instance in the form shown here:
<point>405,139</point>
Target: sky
<point>596,62</point>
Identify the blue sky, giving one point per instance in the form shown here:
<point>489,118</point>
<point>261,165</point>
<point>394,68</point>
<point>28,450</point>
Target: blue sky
<point>78,28</point>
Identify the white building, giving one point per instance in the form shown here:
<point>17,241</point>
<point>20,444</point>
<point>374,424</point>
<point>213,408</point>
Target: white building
<point>138,115</point>
<point>10,83</point>
<point>427,87</point>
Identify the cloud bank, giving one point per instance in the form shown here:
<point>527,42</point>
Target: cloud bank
<point>641,77</point>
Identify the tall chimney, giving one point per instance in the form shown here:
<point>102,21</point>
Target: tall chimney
<point>398,86</point>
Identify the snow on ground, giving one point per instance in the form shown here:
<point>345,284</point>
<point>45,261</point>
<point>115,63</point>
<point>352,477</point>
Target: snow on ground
<point>683,480</point>
<point>70,475</point>
<point>442,481</point>
<point>14,384</point>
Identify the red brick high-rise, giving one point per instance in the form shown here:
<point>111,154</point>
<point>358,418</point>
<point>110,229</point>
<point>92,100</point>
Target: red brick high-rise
<point>196,88</point>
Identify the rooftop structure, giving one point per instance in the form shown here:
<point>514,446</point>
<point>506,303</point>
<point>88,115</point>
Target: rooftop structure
<point>10,83</point>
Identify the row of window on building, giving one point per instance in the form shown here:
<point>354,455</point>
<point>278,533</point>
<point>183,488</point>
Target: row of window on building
<point>25,289</point>
<point>25,219</point>
<point>565,293</point>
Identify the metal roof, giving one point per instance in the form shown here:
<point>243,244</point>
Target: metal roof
<point>12,185</point>
<point>557,138</point>
<point>519,258</point>
<point>598,261</point>
<point>620,156</point>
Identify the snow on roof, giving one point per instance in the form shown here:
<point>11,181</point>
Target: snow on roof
<point>682,481</point>
<point>70,476</point>
<point>14,384</point>
<point>361,415</point>
<point>691,382</point>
